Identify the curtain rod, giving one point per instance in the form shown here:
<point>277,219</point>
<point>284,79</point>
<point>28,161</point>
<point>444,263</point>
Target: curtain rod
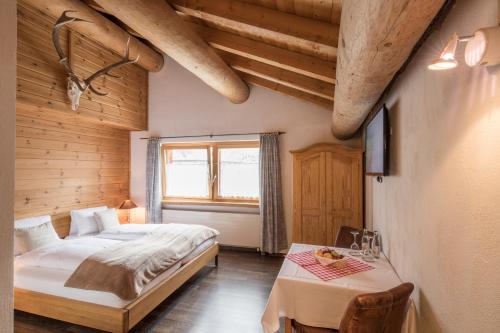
<point>212,135</point>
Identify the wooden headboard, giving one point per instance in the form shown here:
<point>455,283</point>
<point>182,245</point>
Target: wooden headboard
<point>61,222</point>
<point>64,159</point>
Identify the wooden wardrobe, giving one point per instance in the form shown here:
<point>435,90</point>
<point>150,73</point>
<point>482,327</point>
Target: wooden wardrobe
<point>327,192</point>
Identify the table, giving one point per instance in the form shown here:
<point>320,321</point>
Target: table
<point>300,295</point>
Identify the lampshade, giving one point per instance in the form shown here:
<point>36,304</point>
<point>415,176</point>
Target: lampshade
<point>127,204</point>
<point>447,58</point>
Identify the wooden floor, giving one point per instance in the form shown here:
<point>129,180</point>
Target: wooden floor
<point>230,298</point>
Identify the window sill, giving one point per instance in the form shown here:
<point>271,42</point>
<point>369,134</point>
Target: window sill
<point>210,203</point>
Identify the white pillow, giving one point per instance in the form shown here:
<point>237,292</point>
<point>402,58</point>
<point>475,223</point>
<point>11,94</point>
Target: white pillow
<point>26,223</point>
<point>84,222</point>
<point>85,218</point>
<point>107,219</point>
<point>34,237</point>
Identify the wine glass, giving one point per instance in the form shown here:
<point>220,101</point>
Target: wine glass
<point>354,246</point>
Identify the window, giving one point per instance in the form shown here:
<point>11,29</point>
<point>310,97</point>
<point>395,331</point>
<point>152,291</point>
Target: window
<point>223,172</point>
<point>187,170</point>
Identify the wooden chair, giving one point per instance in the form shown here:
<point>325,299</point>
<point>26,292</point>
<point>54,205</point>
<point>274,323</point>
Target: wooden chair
<point>382,312</point>
<point>344,237</point>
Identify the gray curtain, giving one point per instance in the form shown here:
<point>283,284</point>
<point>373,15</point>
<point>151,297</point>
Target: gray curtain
<point>153,189</point>
<point>273,238</point>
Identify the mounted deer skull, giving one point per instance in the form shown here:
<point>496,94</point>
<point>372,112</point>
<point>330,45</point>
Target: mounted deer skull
<point>77,86</point>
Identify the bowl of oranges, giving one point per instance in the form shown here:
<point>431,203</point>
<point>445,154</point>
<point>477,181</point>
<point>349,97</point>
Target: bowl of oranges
<point>330,257</point>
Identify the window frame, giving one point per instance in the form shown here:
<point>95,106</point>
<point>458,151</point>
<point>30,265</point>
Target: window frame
<point>213,163</point>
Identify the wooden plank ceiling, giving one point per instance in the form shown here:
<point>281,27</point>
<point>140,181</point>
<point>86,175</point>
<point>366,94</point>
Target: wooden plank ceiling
<point>289,46</point>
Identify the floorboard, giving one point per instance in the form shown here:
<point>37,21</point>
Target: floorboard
<point>230,298</point>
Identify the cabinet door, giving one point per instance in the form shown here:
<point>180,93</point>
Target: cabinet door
<point>310,205</point>
<point>343,194</point>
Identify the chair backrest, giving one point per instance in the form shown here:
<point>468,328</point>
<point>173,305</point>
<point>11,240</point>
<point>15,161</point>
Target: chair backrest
<point>345,238</point>
<point>382,312</point>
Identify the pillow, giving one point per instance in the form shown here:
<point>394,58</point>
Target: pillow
<point>107,219</point>
<point>85,218</point>
<point>34,237</point>
<point>26,223</point>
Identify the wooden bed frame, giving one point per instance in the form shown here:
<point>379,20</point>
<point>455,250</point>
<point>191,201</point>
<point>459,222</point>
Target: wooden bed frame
<point>108,318</point>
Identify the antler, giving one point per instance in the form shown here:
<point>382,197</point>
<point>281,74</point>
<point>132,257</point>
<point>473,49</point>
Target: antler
<point>86,83</point>
<point>105,71</point>
<point>63,59</point>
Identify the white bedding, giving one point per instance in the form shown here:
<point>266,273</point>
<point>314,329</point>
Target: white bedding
<point>123,232</point>
<point>64,255</point>
<point>46,269</point>
<point>127,232</point>
<point>51,281</point>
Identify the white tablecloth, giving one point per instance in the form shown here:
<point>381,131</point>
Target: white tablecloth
<point>300,295</point>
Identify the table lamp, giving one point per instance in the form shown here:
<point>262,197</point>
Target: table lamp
<point>128,205</point>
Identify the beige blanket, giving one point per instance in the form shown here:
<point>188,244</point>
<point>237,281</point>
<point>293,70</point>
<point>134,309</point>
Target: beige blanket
<point>125,268</point>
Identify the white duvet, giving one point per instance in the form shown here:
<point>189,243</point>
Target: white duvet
<point>64,255</point>
<point>69,253</point>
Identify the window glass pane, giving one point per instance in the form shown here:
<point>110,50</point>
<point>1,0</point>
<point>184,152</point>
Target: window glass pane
<point>187,173</point>
<point>239,173</point>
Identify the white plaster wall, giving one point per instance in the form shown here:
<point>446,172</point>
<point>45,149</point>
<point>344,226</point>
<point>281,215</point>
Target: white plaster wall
<point>180,104</point>
<point>439,211</point>
<point>8,36</point>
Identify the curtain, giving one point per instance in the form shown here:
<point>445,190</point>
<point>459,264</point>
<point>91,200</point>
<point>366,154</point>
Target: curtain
<point>153,189</point>
<point>273,237</point>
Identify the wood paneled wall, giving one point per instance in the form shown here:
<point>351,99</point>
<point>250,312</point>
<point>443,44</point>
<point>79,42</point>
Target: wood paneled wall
<point>64,159</point>
<point>42,80</point>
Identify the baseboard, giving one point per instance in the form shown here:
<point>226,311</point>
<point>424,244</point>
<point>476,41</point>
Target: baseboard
<point>239,248</point>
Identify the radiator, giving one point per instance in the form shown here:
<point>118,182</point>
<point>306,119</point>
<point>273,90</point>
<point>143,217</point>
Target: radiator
<point>236,229</point>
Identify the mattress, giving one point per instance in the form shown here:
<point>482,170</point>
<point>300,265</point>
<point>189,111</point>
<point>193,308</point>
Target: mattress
<point>51,280</point>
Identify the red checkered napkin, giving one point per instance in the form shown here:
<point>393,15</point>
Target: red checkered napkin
<point>307,261</point>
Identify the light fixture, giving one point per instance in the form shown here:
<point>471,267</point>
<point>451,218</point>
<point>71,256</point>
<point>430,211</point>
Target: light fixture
<point>128,205</point>
<point>447,58</point>
<point>483,48</point>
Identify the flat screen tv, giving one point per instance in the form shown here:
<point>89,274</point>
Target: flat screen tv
<point>377,144</point>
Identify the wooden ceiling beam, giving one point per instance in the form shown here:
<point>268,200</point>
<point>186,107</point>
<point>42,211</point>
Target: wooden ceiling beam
<point>300,34</point>
<point>102,30</point>
<point>336,11</point>
<point>280,76</point>
<point>386,31</point>
<point>268,54</point>
<point>94,5</point>
<point>157,22</point>
<point>258,81</point>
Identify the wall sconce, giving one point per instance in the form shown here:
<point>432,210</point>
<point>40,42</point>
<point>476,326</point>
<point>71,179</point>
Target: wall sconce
<point>446,59</point>
<point>483,48</point>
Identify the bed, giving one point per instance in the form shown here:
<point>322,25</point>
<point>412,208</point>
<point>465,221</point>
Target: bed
<point>39,289</point>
